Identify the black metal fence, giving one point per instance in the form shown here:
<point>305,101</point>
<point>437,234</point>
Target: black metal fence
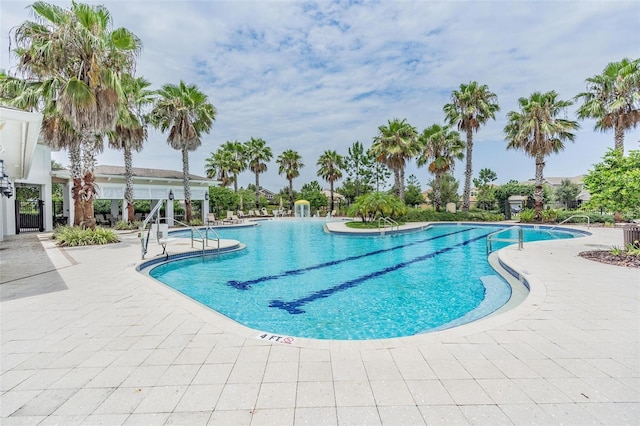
<point>29,216</point>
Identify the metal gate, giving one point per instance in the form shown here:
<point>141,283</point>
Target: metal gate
<point>29,216</point>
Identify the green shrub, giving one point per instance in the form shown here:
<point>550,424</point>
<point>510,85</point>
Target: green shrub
<point>72,236</point>
<point>123,225</point>
<point>527,215</point>
<point>195,222</point>
<point>549,215</point>
<point>415,215</point>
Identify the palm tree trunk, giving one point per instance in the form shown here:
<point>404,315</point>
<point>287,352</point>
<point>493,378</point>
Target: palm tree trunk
<point>538,193</point>
<point>467,173</point>
<point>128,186</point>
<point>89,146</point>
<point>401,187</point>
<point>396,183</point>
<point>257,190</point>
<point>437,193</point>
<point>76,174</point>
<point>235,183</point>
<point>290,194</point>
<point>619,135</point>
<point>331,189</point>
<point>185,182</point>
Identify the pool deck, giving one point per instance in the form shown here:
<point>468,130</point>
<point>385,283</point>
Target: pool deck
<point>85,339</point>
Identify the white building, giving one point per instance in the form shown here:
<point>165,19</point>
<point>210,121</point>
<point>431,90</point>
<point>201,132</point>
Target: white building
<point>25,161</point>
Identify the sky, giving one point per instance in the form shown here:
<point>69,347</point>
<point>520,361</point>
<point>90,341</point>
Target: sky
<point>320,75</point>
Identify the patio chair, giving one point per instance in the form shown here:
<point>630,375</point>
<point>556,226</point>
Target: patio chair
<point>265,212</point>
<point>211,219</point>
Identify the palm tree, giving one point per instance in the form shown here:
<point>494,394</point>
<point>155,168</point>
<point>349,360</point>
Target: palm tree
<point>441,148</point>
<point>238,162</point>
<point>471,106</point>
<point>538,131</point>
<point>186,112</point>
<point>290,163</point>
<point>394,145</point>
<point>219,166</point>
<point>78,50</point>
<point>330,169</point>
<point>131,129</point>
<point>258,154</point>
<point>613,99</point>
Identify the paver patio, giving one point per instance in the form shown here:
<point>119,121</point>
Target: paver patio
<point>88,340</point>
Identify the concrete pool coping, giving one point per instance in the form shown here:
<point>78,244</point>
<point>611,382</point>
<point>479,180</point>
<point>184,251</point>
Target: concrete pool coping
<point>86,339</point>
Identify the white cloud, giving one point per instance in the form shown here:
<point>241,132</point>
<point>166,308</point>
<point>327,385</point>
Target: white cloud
<point>320,75</point>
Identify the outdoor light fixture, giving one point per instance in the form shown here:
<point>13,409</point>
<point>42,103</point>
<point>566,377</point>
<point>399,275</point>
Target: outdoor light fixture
<point>5,185</point>
<point>171,194</point>
<point>8,192</point>
<point>206,195</point>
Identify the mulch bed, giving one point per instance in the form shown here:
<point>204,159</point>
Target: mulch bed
<point>604,256</point>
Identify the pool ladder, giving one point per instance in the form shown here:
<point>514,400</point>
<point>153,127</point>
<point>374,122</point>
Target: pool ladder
<point>569,218</point>
<point>491,238</point>
<point>389,221</point>
<point>204,238</point>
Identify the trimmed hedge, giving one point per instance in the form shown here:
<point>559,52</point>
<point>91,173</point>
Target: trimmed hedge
<point>434,216</point>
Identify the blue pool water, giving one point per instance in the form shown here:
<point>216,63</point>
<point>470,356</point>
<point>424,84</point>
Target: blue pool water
<point>294,279</point>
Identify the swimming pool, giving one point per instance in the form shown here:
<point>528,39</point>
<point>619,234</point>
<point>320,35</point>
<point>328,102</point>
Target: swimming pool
<point>294,279</point>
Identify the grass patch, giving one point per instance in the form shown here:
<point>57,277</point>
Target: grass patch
<point>367,225</point>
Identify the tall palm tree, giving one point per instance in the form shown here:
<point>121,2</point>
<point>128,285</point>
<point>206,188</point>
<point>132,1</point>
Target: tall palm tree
<point>537,130</point>
<point>330,166</point>
<point>441,148</point>
<point>77,48</point>
<point>131,129</point>
<point>394,145</point>
<point>289,164</point>
<point>185,111</point>
<point>613,99</point>
<point>258,155</point>
<point>238,162</point>
<point>219,166</point>
<point>471,106</point>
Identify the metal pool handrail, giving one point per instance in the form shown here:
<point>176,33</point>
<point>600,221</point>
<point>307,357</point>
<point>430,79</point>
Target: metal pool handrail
<point>519,240</point>
<point>145,241</point>
<point>203,239</point>
<point>388,220</point>
<point>569,218</point>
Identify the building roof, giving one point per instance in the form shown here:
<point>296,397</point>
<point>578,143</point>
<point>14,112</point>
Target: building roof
<point>19,132</point>
<point>556,181</point>
<point>146,173</point>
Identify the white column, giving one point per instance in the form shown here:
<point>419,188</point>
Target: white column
<point>205,210</point>
<point>45,195</point>
<point>67,202</point>
<point>169,212</point>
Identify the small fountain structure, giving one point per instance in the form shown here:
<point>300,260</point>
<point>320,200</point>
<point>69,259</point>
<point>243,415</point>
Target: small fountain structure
<point>302,208</point>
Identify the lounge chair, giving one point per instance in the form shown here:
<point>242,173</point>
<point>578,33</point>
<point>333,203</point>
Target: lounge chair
<point>232,218</point>
<point>211,219</point>
<point>265,212</point>
<point>251,213</point>
<point>240,214</point>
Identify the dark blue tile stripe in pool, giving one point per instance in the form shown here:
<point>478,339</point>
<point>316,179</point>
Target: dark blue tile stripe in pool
<point>246,285</point>
<point>293,307</point>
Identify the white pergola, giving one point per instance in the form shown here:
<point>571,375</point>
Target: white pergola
<point>155,185</point>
